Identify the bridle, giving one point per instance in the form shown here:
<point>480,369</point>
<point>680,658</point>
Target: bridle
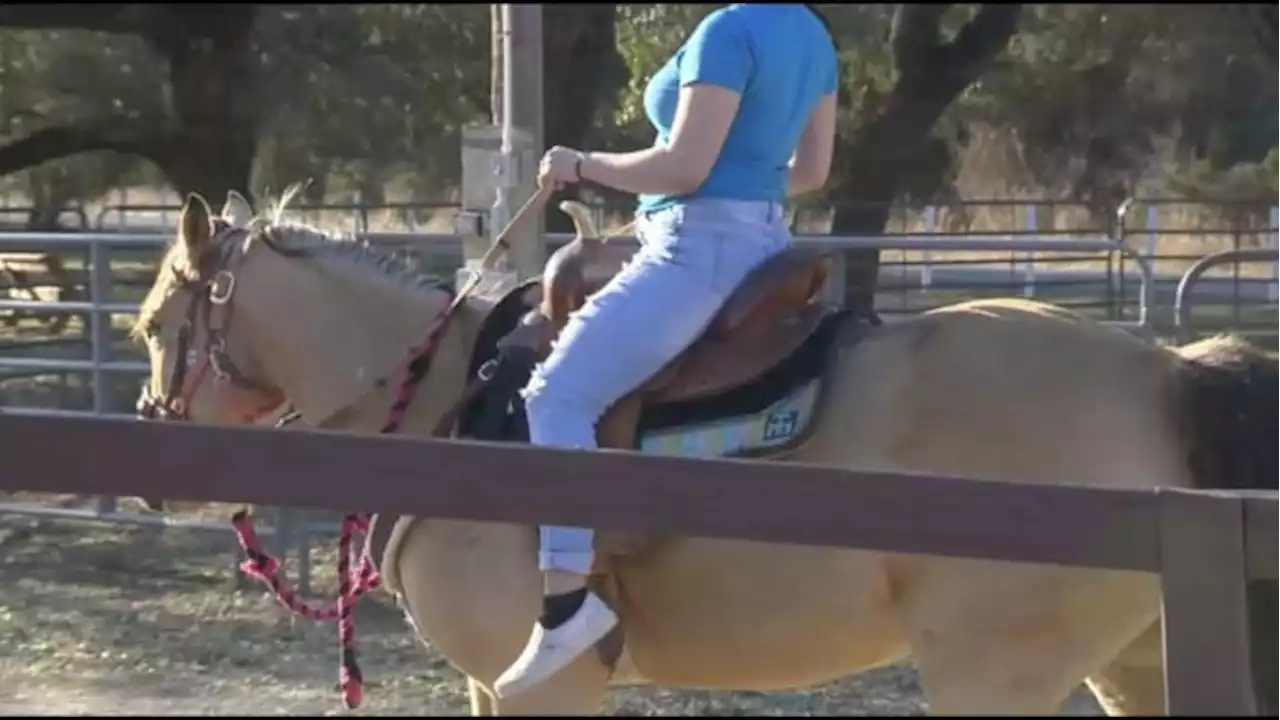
<point>212,290</point>
<point>211,296</point>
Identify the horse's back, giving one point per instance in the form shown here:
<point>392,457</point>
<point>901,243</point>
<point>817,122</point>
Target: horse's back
<point>1002,389</point>
<point>995,389</point>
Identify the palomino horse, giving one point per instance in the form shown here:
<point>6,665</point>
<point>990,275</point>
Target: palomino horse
<point>1000,389</point>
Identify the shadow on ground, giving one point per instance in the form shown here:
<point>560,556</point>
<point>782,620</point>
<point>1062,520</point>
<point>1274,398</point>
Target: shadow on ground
<point>111,620</point>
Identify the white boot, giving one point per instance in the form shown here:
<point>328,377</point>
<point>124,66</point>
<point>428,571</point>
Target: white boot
<point>550,651</point>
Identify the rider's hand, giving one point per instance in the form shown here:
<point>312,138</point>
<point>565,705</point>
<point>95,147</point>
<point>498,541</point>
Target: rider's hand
<point>560,166</point>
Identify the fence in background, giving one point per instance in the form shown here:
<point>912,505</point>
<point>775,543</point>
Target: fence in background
<point>1206,546</point>
<point>1147,225</point>
<point>114,367</point>
<point>108,367</point>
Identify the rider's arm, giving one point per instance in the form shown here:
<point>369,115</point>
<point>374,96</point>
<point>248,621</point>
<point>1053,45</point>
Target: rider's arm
<point>703,117</point>
<point>714,69</point>
<point>811,165</point>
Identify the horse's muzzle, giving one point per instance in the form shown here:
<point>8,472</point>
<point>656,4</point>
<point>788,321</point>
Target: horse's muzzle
<point>150,407</point>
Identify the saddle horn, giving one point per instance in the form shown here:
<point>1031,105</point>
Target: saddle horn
<point>564,285</point>
<point>583,225</point>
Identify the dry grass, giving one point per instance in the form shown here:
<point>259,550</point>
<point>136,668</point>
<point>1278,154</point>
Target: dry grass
<point>108,620</point>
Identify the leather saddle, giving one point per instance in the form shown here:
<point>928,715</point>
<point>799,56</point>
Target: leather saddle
<point>767,318</point>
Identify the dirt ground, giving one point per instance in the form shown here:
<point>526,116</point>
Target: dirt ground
<point>111,620</point>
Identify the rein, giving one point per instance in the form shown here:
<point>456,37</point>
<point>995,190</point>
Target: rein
<point>352,585</point>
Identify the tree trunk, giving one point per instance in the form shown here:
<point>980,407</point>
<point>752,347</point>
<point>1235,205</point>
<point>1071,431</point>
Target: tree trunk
<point>582,70</point>
<point>206,144</point>
<point>214,139</point>
<point>870,174</point>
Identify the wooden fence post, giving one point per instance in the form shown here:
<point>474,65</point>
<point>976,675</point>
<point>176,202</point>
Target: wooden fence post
<point>1261,517</point>
<point>1205,608</point>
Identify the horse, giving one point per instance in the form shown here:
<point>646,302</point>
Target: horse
<point>247,312</point>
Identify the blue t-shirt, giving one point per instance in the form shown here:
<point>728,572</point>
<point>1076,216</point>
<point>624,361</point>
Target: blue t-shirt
<point>781,61</point>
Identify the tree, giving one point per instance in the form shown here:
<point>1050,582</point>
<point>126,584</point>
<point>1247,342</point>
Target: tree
<point>371,98</point>
<point>364,98</point>
<point>886,143</point>
<point>202,135</point>
<point>582,74</point>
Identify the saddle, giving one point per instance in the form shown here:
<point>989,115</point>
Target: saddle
<point>765,322</point>
<point>767,318</point>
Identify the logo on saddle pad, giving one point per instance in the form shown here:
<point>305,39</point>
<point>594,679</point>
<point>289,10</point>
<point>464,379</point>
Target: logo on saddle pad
<point>781,424</point>
<point>774,428</point>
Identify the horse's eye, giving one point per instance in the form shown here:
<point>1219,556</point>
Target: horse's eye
<point>151,330</point>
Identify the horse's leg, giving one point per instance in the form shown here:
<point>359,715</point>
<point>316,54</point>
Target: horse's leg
<point>473,590</point>
<point>1001,638</point>
<point>1133,683</point>
<point>481,701</point>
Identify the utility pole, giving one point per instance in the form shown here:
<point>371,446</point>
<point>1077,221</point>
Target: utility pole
<point>500,161</point>
<point>521,135</point>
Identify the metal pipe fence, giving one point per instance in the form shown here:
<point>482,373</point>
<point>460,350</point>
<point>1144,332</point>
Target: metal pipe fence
<point>931,256</point>
<point>1142,223</point>
<point>919,266</point>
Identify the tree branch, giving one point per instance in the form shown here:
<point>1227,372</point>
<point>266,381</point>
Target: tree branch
<point>1261,22</point>
<point>914,35</point>
<point>981,39</point>
<point>124,18</point>
<point>59,141</point>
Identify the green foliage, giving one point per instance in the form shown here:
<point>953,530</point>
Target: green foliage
<point>47,78</point>
<point>648,35</point>
<point>378,95</point>
<point>359,97</point>
<point>1151,99</point>
<point>1091,96</point>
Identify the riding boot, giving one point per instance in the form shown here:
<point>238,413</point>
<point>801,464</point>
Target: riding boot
<point>573,620</point>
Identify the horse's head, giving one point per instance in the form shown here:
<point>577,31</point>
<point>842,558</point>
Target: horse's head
<point>198,371</point>
<point>248,312</point>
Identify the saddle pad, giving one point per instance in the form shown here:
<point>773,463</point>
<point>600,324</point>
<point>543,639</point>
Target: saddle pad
<point>775,429</point>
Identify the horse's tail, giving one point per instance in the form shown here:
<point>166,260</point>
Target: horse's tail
<point>1229,407</point>
<point>1229,411</point>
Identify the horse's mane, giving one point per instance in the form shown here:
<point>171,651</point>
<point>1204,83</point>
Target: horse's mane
<point>293,239</point>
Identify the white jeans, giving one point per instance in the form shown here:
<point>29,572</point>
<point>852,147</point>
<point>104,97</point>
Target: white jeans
<point>691,257</point>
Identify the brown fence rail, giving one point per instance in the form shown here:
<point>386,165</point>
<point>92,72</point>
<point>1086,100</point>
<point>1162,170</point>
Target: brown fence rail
<point>1206,545</point>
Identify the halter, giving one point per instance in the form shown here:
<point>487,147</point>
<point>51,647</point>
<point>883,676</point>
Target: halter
<point>212,290</point>
<point>211,303</point>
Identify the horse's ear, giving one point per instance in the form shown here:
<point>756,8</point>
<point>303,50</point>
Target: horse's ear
<point>236,210</point>
<point>195,229</point>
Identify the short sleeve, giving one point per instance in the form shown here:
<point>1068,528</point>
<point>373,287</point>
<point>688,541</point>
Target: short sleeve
<point>717,53</point>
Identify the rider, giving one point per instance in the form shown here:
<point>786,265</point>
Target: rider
<point>745,113</point>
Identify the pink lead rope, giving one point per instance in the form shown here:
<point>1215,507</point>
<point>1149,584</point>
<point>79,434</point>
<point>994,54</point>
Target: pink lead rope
<point>352,585</point>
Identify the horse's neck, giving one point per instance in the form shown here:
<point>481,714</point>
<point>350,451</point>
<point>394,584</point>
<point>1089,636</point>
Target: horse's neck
<point>356,349</point>
<point>368,414</point>
<point>435,395</point>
